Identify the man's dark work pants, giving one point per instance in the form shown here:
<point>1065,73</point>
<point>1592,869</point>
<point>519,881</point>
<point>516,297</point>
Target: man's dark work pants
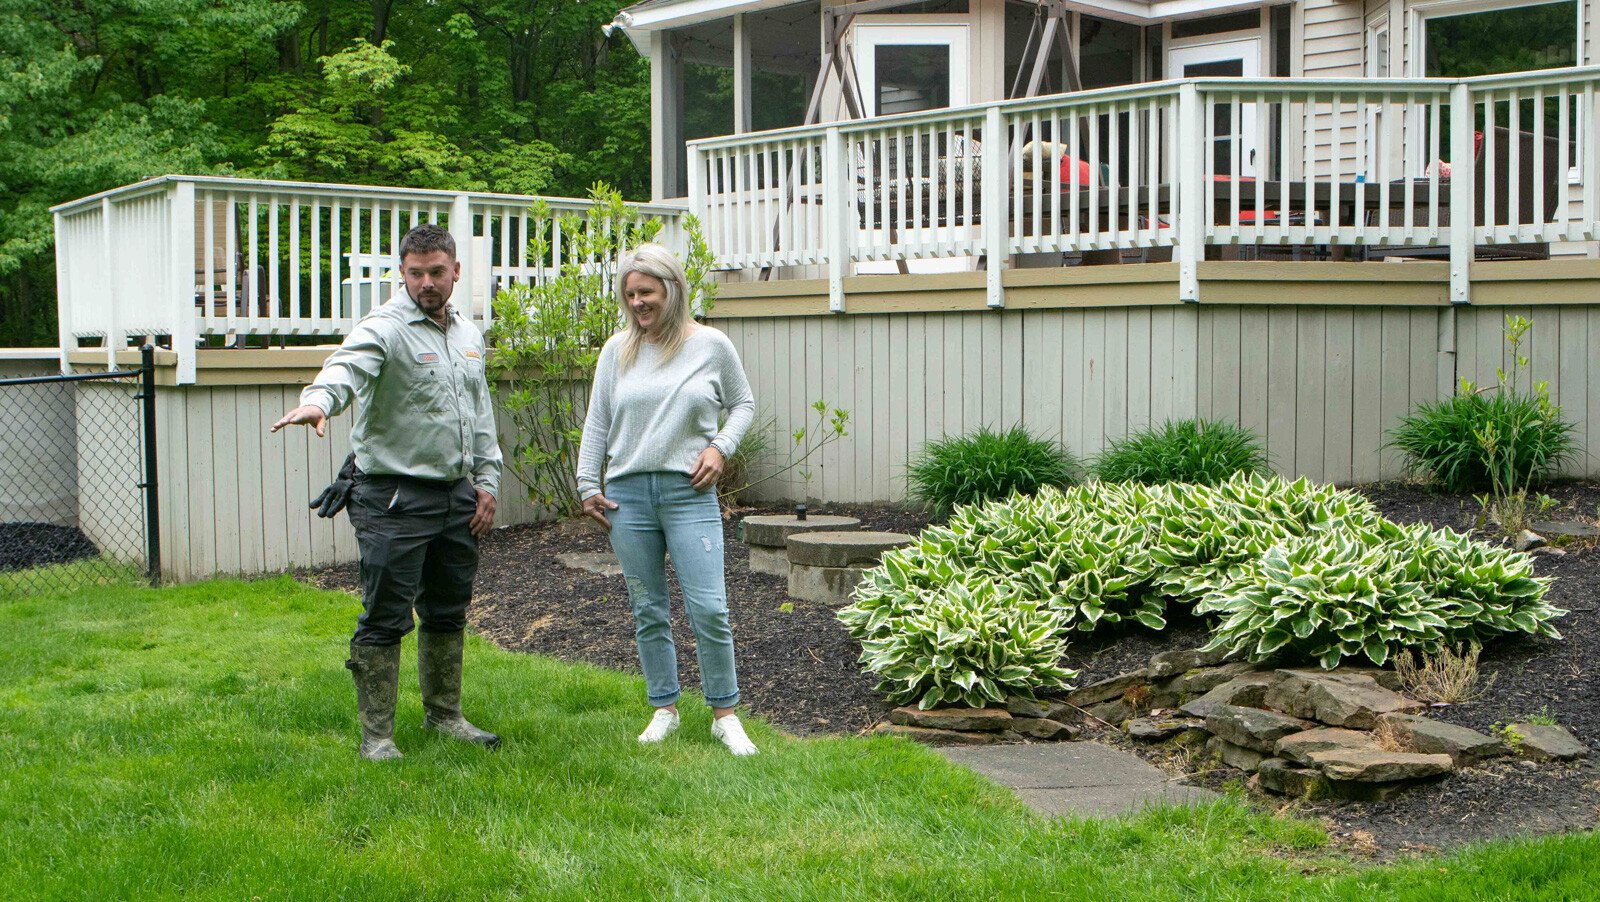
<point>415,551</point>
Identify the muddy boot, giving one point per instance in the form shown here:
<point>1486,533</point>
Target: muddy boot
<point>376,669</point>
<point>439,673</point>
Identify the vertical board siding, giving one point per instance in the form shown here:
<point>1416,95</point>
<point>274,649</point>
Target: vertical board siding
<point>1320,386</point>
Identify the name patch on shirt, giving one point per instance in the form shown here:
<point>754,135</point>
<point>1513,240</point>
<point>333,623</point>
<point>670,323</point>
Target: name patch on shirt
<point>472,353</point>
<point>427,357</point>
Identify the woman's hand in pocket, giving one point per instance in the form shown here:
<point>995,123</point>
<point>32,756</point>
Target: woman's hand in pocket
<point>596,506</point>
<point>707,470</point>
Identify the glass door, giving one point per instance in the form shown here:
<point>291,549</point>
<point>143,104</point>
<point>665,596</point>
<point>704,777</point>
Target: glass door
<point>1231,59</point>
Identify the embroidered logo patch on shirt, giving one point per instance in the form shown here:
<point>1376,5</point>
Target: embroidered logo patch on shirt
<point>427,357</point>
<point>472,353</point>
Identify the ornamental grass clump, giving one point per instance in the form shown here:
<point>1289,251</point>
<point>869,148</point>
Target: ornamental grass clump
<point>1195,451</point>
<point>988,465</point>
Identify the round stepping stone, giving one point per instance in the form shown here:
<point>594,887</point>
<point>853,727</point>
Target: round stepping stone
<point>766,534</point>
<point>826,567</point>
<point>843,549</point>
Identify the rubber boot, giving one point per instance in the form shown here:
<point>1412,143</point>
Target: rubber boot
<point>439,673</point>
<point>376,669</point>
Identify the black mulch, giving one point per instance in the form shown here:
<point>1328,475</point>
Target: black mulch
<point>25,545</point>
<point>798,667</point>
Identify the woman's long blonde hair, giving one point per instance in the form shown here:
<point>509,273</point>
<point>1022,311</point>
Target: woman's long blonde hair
<point>655,260</point>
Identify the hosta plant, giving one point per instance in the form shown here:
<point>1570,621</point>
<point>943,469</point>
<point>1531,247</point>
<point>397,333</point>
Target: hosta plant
<point>973,644</point>
<point>1375,591</point>
<point>1291,570</point>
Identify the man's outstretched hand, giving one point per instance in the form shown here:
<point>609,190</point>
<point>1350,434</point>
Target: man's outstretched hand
<point>304,415</point>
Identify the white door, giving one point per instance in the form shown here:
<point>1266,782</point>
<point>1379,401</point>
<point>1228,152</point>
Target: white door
<point>905,68</point>
<point>1233,59</point>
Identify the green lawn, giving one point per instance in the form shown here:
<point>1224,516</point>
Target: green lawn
<point>199,742</point>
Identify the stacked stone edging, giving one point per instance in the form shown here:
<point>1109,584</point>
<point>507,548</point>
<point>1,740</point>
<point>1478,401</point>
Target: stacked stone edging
<point>768,536</point>
<point>1345,733</point>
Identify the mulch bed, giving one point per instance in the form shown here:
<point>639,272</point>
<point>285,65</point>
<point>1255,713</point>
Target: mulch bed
<point>27,545</point>
<point>798,667</point>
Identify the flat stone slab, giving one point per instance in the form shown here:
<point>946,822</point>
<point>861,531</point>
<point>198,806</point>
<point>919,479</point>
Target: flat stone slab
<point>1376,765</point>
<point>1154,729</point>
<point>1285,778</point>
<point>1248,690</point>
<point>602,562</point>
<point>1233,755</point>
<point>1253,728</point>
<point>773,530</point>
<point>833,548</point>
<point>1200,680</point>
<point>1105,690</point>
<point>988,719</point>
<point>1543,742</point>
<point>1575,529</point>
<point>1348,699</point>
<point>1171,663</point>
<point>936,737</point>
<point>1077,779</point>
<point>1299,747</point>
<point>1424,734</point>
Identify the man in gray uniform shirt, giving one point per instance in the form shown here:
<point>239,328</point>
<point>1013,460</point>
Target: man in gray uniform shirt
<point>427,471</point>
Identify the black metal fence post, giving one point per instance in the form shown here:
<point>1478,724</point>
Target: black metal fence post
<point>152,504</point>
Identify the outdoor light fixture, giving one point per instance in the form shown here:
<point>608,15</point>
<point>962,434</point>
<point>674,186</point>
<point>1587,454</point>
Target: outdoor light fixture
<point>623,20</point>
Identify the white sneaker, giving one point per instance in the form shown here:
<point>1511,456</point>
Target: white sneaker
<point>731,732</point>
<point>661,726</point>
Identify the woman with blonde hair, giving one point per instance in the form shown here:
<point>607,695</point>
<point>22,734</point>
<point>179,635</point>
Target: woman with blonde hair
<point>651,456</point>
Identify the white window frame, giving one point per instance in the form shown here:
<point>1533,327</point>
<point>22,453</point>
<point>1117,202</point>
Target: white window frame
<point>1417,51</point>
<point>870,32</point>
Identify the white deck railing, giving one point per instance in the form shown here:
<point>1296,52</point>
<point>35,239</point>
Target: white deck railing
<point>187,257</point>
<point>1314,166</point>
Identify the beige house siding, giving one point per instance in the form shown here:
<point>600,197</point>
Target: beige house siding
<point>1332,39</point>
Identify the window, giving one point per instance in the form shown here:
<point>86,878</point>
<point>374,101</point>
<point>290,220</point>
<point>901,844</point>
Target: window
<point>1502,40</point>
<point>1249,20</point>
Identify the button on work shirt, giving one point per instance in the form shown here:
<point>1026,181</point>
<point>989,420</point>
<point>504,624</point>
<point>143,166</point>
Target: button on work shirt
<point>422,399</point>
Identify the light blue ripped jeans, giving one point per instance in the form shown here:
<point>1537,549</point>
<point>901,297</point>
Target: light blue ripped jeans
<point>658,514</point>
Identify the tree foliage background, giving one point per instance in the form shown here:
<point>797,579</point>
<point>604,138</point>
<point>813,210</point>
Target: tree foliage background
<point>522,96</point>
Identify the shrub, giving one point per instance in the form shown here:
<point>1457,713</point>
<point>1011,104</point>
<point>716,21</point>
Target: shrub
<point>972,644</point>
<point>1290,569</point>
<point>988,465</point>
<point>1196,451</point>
<point>1499,439</point>
<point>739,469</point>
<point>1445,441</point>
<point>1376,591</point>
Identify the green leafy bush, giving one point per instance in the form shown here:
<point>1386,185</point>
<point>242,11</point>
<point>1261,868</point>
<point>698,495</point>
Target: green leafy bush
<point>1446,440</point>
<point>973,644</point>
<point>1197,451</point>
<point>988,465</point>
<point>1501,439</point>
<point>1377,591</point>
<point>1291,569</point>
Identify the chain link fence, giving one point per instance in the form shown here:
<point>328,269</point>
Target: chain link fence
<point>74,510</point>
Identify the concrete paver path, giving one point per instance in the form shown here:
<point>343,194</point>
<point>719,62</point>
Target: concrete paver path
<point>1083,779</point>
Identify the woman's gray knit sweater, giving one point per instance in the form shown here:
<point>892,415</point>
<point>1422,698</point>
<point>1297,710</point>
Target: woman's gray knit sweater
<point>660,416</point>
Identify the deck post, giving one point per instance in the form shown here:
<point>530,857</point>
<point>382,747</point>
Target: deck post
<point>461,231</point>
<point>63,296</point>
<point>837,213</point>
<point>994,207</point>
<point>184,333</point>
<point>1463,200</point>
<point>1191,176</point>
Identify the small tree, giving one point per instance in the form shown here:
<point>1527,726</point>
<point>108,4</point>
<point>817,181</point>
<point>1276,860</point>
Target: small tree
<point>547,335</point>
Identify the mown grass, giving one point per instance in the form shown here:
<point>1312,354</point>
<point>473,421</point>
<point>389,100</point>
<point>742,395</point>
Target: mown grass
<point>198,742</point>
